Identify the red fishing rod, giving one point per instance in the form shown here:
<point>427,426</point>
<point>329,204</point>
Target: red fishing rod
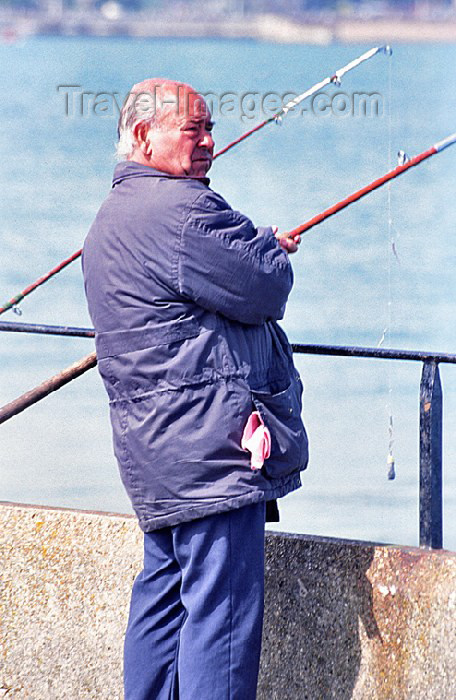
<point>12,303</point>
<point>436,148</point>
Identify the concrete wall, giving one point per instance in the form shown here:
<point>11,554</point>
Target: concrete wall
<point>343,619</point>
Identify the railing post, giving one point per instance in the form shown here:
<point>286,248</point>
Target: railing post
<point>431,456</point>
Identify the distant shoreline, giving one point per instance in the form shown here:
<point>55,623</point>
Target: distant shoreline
<point>266,27</point>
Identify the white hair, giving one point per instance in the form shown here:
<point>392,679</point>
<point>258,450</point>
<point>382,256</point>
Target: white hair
<point>134,111</point>
<point>150,103</point>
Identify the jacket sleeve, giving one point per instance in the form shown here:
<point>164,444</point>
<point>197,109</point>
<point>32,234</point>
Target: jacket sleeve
<point>227,265</point>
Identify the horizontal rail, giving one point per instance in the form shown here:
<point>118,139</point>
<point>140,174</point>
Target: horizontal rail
<point>300,348</point>
<point>45,329</point>
<point>378,353</point>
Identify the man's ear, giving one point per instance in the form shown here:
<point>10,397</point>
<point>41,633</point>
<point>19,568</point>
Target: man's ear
<point>141,134</point>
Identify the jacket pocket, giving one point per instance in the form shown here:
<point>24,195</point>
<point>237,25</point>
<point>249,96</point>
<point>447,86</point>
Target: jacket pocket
<point>114,343</point>
<point>281,413</point>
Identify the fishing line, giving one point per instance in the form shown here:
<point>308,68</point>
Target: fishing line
<point>399,170</point>
<point>390,461</point>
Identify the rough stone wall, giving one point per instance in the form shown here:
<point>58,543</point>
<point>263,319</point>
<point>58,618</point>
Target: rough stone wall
<point>65,581</point>
<point>342,620</point>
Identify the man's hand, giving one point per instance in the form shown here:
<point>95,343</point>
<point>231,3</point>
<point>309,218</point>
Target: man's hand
<point>287,243</point>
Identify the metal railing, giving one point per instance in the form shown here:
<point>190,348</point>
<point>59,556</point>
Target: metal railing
<point>431,414</point>
<point>431,419</point>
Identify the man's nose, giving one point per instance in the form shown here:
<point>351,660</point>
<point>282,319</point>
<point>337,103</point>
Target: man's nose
<point>207,141</point>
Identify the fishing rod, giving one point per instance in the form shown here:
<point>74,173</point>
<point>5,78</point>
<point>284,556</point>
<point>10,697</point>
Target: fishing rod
<point>14,301</point>
<point>436,148</point>
<point>334,79</point>
<point>47,387</point>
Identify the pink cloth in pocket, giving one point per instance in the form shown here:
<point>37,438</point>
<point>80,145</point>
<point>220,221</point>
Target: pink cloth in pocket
<point>256,439</point>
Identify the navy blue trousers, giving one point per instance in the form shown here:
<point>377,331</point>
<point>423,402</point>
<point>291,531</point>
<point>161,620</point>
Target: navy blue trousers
<point>196,615</point>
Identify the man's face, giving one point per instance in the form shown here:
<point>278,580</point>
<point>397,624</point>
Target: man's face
<point>183,145</point>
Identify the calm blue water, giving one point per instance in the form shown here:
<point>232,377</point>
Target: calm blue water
<point>56,170</point>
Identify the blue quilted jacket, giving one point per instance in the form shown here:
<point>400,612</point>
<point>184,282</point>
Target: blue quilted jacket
<point>184,294</point>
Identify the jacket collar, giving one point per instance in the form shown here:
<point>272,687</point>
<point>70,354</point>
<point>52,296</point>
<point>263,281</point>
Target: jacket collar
<point>129,168</point>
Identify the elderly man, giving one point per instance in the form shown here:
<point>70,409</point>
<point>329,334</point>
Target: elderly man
<point>205,402</point>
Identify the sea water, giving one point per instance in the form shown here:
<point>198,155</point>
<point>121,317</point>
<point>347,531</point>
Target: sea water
<point>381,272</point>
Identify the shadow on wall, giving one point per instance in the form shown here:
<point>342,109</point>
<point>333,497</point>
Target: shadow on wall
<point>316,592</point>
